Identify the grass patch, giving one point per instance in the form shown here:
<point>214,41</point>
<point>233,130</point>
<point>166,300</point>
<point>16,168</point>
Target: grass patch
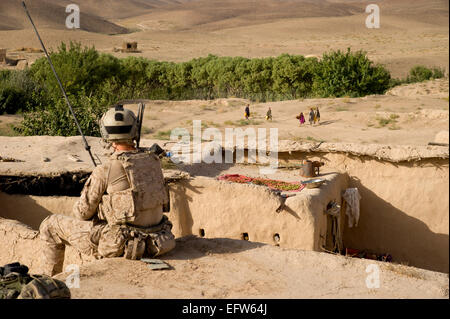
<point>163,135</point>
<point>235,103</point>
<point>391,120</point>
<point>404,271</point>
<point>146,130</point>
<point>166,163</point>
<point>248,122</point>
<point>382,122</point>
<point>211,124</point>
<point>346,99</point>
<point>394,127</point>
<point>8,130</point>
<point>341,109</point>
<point>242,123</point>
<point>394,116</point>
<point>205,124</point>
<point>206,108</point>
<point>307,139</point>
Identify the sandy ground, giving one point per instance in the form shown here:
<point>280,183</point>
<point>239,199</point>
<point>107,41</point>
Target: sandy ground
<point>408,115</point>
<point>415,114</point>
<point>225,268</point>
<point>413,120</point>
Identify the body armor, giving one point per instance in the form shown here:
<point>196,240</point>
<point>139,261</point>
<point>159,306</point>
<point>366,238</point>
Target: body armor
<point>147,189</point>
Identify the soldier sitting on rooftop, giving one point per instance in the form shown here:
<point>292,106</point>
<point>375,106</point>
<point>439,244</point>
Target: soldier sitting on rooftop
<point>120,211</point>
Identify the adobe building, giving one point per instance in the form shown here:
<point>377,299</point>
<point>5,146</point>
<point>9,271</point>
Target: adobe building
<point>129,47</point>
<point>403,208</point>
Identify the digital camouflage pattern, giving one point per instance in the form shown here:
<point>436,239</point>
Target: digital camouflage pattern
<point>21,285</point>
<point>147,191</point>
<point>103,208</point>
<point>44,287</point>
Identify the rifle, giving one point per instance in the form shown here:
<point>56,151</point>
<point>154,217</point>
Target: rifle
<point>86,145</point>
<point>140,119</point>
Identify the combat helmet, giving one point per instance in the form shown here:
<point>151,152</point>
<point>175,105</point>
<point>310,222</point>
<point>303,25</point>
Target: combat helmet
<point>119,125</point>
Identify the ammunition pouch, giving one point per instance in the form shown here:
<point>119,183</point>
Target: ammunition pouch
<point>153,241</point>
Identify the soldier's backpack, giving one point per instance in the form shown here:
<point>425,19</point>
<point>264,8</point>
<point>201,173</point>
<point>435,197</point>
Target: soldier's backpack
<point>16,283</point>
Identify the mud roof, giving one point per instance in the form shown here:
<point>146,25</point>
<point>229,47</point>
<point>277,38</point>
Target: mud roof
<point>50,156</point>
<point>56,155</point>
<point>390,153</point>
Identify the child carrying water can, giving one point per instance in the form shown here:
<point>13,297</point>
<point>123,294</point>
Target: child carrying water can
<point>269,114</point>
<point>247,112</point>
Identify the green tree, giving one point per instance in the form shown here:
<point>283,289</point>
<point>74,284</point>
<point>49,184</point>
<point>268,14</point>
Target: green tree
<point>349,74</point>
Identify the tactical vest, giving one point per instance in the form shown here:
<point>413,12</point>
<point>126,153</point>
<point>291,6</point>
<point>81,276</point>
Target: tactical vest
<point>147,189</point>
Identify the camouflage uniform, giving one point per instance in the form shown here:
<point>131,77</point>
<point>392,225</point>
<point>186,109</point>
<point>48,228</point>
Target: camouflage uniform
<point>93,231</point>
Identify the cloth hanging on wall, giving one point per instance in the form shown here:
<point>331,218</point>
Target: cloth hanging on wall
<point>352,198</point>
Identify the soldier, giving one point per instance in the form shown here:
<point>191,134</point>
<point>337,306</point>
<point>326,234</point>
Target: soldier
<point>120,211</point>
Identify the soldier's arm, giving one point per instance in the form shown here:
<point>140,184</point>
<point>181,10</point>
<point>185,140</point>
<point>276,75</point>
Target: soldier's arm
<point>86,206</point>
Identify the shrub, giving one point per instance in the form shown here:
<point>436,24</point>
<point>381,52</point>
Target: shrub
<point>58,121</point>
<point>349,74</point>
<point>421,73</point>
<point>81,71</point>
<point>17,92</point>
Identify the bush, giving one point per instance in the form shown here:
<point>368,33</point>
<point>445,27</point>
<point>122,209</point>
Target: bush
<point>421,73</point>
<point>81,71</point>
<point>17,92</point>
<point>349,74</point>
<point>58,121</point>
<point>293,75</point>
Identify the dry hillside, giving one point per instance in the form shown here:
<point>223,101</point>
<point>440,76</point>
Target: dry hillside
<point>411,32</point>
